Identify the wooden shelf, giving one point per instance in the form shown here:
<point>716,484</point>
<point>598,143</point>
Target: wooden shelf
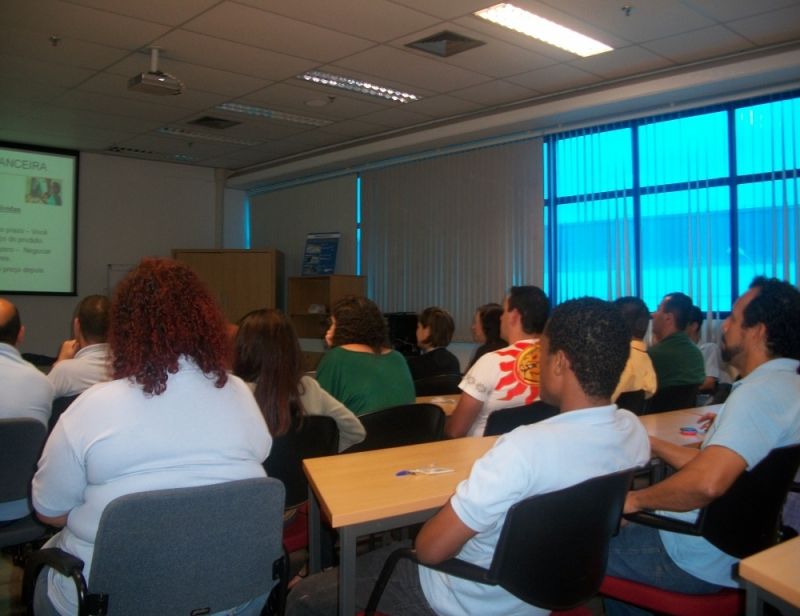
<point>318,293</point>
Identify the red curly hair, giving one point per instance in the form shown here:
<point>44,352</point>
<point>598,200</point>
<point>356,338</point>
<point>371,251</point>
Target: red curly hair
<point>161,311</point>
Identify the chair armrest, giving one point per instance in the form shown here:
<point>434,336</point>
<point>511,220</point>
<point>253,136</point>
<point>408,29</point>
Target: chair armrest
<point>662,522</point>
<point>63,562</point>
<point>463,569</point>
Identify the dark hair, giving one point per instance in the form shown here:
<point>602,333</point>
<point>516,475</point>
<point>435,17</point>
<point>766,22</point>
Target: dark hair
<point>532,305</point>
<point>596,340</point>
<point>679,305</point>
<point>635,313</point>
<point>489,315</point>
<point>359,321</point>
<point>777,306</point>
<point>440,323</point>
<point>162,311</point>
<point>267,353</point>
<point>696,316</point>
<point>9,331</point>
<point>93,313</point>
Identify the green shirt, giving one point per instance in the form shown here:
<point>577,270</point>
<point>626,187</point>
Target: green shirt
<point>365,382</point>
<point>677,361</point>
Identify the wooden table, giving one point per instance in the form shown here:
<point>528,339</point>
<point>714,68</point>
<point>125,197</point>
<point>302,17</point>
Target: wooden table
<point>773,576</point>
<point>446,402</point>
<point>667,426</point>
<point>360,494</point>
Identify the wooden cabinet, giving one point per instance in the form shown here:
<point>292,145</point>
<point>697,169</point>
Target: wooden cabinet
<point>311,298</point>
<point>241,280</point>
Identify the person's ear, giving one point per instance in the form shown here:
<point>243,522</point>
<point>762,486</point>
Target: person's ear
<point>76,328</point>
<point>21,335</point>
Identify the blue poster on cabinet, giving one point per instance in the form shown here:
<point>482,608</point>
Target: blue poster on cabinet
<point>319,257</point>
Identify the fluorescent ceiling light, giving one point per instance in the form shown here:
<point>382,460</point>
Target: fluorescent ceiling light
<point>520,20</point>
<point>356,85</point>
<point>195,134</point>
<point>271,114</point>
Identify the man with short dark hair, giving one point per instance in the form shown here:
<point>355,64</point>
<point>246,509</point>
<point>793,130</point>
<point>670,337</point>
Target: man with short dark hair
<point>712,358</point>
<point>639,373</point>
<point>676,359</point>
<point>761,338</point>
<point>84,360</point>
<point>508,377</point>
<point>583,350</point>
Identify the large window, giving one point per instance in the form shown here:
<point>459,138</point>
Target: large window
<point>698,202</point>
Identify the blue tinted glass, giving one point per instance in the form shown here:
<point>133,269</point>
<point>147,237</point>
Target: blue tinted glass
<point>545,171</point>
<point>685,238</point>
<point>684,149</point>
<point>594,241</point>
<point>768,137</point>
<point>594,163</point>
<point>769,222</point>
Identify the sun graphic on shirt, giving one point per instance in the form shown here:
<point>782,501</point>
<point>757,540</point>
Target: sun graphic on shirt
<point>521,372</point>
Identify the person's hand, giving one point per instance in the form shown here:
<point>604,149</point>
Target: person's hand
<point>631,505</point>
<point>68,349</point>
<point>706,420</point>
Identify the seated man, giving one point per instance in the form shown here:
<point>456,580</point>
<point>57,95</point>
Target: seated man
<point>761,338</point>
<point>639,372</point>
<point>677,361</point>
<point>712,358</point>
<point>508,377</point>
<point>83,360</point>
<point>583,350</point>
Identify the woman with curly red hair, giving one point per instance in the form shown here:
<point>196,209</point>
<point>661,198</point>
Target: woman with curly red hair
<point>171,418</point>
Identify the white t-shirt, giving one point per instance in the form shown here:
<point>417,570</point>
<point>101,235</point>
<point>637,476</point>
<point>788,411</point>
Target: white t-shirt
<point>503,379</point>
<point>115,440</point>
<point>543,457</point>
<point>26,392</point>
<point>89,366</point>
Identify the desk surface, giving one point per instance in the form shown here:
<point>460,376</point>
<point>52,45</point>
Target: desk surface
<point>667,426</point>
<point>446,402</point>
<point>776,570</point>
<point>360,487</point>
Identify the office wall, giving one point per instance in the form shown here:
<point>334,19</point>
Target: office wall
<point>128,209</point>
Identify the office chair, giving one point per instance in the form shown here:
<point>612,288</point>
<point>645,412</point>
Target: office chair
<point>190,550</point>
<point>741,522</point>
<point>672,399</point>
<point>21,442</point>
<point>407,424</point>
<point>634,401</point>
<point>505,420</point>
<point>59,406</point>
<point>439,385</point>
<point>553,548</point>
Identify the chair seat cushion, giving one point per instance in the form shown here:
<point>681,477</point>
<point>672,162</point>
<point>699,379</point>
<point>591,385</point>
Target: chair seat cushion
<point>726,602</point>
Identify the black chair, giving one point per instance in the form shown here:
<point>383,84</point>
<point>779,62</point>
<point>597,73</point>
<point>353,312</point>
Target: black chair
<point>59,406</point>
<point>21,442</point>
<point>672,399</point>
<point>633,401</point>
<point>505,420</point>
<point>746,519</point>
<point>193,550</point>
<point>439,385</point>
<point>408,424</point>
<point>553,548</point>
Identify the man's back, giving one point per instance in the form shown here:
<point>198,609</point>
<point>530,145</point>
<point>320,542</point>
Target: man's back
<point>677,361</point>
<point>73,376</point>
<point>26,391</point>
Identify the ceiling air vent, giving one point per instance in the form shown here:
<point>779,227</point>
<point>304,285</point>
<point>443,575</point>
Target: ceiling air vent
<point>445,44</point>
<point>212,122</point>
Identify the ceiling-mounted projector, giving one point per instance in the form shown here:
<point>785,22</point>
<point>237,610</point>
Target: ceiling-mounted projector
<point>155,81</point>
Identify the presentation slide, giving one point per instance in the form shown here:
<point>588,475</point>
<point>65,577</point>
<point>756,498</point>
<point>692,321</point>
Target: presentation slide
<point>37,220</point>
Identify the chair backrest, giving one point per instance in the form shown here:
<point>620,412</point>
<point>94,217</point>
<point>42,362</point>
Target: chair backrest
<point>672,398</point>
<point>632,401</point>
<point>439,385</point>
<point>553,548</point>
<point>408,424</point>
<point>21,442</point>
<point>315,436</point>
<point>505,420</point>
<point>59,406</point>
<point>188,550</point>
<point>746,519</point>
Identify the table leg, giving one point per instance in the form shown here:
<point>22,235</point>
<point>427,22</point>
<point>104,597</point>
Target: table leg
<point>347,570</point>
<point>314,534</point>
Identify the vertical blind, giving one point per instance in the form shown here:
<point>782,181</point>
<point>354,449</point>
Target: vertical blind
<point>454,231</point>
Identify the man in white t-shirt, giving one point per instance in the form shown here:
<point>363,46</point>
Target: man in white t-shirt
<point>508,377</point>
<point>583,351</point>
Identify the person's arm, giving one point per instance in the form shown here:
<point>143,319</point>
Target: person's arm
<point>464,415</point>
<point>707,476</point>
<point>708,384</point>
<point>442,537</point>
<point>675,455</point>
<point>320,402</point>
<point>68,350</point>
<point>58,522</point>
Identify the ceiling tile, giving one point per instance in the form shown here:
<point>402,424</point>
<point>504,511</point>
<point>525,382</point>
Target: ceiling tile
<point>447,9</point>
<point>555,78</point>
<point>14,67</point>
<point>728,10</point>
<point>397,118</point>
<point>171,13</point>
<point>442,105</point>
<point>699,45</point>
<point>120,106</point>
<point>495,93</point>
<point>623,62</point>
<point>353,128</point>
<point>775,27</point>
<point>291,96</point>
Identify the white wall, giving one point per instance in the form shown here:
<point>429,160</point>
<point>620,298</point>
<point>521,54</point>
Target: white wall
<point>127,209</point>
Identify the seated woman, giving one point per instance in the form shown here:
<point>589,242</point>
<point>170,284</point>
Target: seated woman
<point>267,356</point>
<point>435,329</point>
<point>361,370</point>
<point>171,418</point>
<point>486,331</point>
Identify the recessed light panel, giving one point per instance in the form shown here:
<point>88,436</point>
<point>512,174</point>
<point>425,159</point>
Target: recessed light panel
<point>356,85</point>
<point>271,114</point>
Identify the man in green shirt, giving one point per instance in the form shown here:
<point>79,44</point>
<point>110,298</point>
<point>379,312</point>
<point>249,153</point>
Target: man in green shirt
<point>676,359</point>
